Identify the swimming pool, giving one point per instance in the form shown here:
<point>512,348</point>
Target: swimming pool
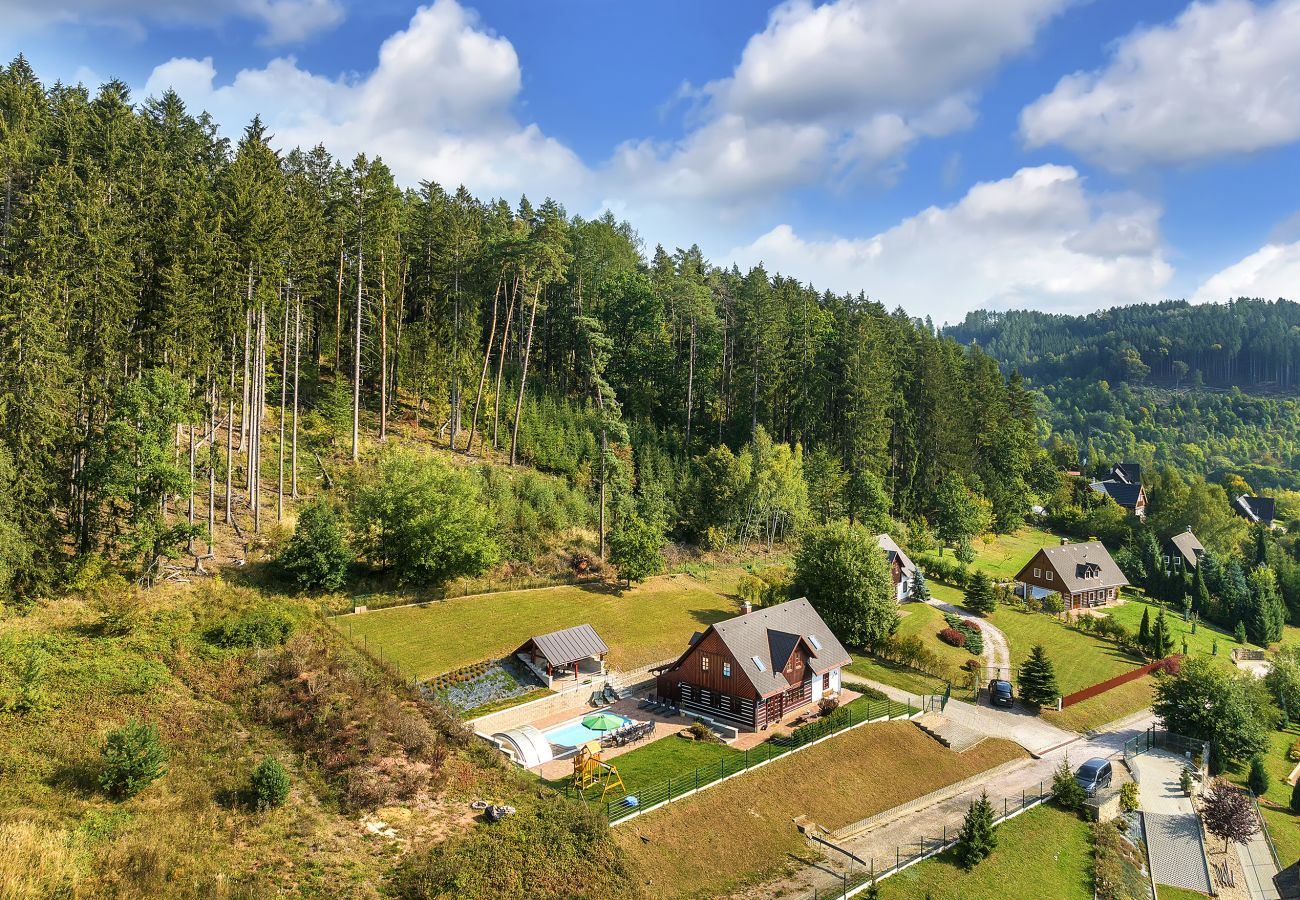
<point>575,733</point>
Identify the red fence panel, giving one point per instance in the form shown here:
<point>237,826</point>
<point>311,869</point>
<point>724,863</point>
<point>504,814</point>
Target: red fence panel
<point>1102,687</point>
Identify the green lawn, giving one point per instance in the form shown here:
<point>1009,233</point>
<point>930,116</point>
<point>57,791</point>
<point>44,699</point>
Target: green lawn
<point>692,763</point>
<point>1081,660</point>
<point>1044,854</point>
<point>1104,708</point>
<point>1003,555</point>
<point>651,622</point>
<point>925,622</point>
<point>1164,892</point>
<point>1283,825</point>
<point>1130,614</point>
<point>892,674</point>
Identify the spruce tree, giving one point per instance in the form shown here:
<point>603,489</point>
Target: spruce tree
<point>1038,679</point>
<point>1258,780</point>
<point>978,835</point>
<point>979,594</point>
<point>920,589</point>
<point>1144,629</point>
<point>1065,790</point>
<point>1162,642</point>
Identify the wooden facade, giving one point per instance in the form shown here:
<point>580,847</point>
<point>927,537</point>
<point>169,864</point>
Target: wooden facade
<point>708,680</point>
<point>1076,592</point>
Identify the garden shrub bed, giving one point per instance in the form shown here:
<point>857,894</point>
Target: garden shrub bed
<point>497,682</point>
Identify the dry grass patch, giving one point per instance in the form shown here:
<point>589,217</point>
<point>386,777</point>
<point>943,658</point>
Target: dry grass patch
<point>741,832</point>
<point>648,623</point>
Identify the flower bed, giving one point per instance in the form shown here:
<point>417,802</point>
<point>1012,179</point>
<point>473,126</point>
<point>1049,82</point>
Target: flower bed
<point>497,682</point>
<point>972,636</point>
<point>952,636</point>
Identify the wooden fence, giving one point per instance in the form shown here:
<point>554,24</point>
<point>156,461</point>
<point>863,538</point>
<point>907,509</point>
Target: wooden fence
<point>1102,687</point>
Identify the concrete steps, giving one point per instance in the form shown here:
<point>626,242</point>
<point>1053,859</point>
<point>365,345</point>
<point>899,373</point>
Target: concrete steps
<point>953,735</point>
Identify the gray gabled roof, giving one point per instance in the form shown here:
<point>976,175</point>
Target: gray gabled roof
<point>559,648</point>
<point>771,634</point>
<point>1188,546</point>
<point>1083,567</point>
<point>892,551</point>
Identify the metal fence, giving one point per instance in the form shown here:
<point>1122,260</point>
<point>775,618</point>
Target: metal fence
<point>1159,739</point>
<point>861,873</point>
<point>648,797</point>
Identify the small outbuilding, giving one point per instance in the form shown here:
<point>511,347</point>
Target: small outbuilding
<point>569,655</point>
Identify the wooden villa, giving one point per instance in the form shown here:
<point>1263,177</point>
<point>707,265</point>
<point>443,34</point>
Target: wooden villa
<point>753,670</point>
<point>1084,575</point>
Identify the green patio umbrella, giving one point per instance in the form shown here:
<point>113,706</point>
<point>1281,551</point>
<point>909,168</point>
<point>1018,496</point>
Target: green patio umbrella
<point>603,722</point>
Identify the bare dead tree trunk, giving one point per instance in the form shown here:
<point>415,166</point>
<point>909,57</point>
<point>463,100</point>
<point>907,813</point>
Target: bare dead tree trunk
<point>501,362</point>
<point>487,357</point>
<point>248,327</point>
<point>284,396</point>
<point>523,376</point>
<point>297,351</point>
<point>230,438</point>
<point>383,347</point>
<point>356,363</point>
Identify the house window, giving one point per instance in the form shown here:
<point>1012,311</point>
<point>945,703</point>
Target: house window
<point>1038,573</point>
<point>826,681</point>
<point>726,670</point>
<point>704,662</point>
<point>1049,575</point>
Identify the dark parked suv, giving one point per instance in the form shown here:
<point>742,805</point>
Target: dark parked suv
<point>1001,693</point>
<point>1093,775</point>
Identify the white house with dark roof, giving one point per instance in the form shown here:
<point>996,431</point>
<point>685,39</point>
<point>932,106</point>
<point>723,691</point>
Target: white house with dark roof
<point>1182,552</point>
<point>902,571</point>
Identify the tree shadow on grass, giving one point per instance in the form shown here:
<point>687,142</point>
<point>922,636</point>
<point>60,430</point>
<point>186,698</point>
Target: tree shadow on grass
<point>79,778</point>
<point>710,616</point>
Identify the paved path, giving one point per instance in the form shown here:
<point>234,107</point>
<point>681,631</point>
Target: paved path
<point>1172,826</point>
<point>911,826</point>
<point>997,652</point>
<point>1257,862</point>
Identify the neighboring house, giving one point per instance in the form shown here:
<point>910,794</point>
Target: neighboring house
<point>1259,510</point>
<point>567,656</point>
<point>1182,552</point>
<point>1124,486</point>
<point>751,671</point>
<point>1084,575</point>
<point>902,571</point>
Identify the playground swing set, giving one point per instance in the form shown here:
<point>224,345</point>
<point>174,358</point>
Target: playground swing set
<point>590,771</point>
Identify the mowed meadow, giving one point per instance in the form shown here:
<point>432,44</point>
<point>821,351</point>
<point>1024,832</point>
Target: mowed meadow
<point>647,623</point>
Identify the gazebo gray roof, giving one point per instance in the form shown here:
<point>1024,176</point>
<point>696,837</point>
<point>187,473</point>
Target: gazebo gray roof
<point>569,645</point>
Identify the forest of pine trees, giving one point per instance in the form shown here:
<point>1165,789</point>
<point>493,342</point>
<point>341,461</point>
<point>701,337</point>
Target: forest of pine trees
<point>188,324</point>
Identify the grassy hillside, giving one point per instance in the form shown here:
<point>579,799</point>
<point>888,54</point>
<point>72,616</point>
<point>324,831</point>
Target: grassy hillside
<point>378,775</point>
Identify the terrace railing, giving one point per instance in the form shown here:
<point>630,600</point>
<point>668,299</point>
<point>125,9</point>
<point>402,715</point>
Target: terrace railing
<point>1159,739</point>
<point>674,788</point>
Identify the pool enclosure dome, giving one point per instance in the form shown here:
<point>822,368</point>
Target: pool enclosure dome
<point>525,745</point>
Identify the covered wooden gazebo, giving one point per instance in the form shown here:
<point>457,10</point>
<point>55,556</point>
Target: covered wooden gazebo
<point>570,653</point>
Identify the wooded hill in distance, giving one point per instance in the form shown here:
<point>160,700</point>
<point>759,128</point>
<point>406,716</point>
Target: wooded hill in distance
<point>178,314</point>
<point>1208,389</point>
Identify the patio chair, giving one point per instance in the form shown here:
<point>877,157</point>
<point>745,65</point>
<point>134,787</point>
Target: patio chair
<point>609,693</point>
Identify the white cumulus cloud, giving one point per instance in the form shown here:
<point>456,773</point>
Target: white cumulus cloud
<point>1038,239</point>
<point>837,90</point>
<point>1223,78</point>
<point>1270,272</point>
<point>436,106</point>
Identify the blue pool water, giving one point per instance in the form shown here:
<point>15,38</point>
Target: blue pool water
<point>576,733</point>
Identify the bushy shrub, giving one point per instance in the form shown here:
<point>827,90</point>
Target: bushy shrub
<point>116,605</point>
<point>952,636</point>
<point>1065,790</point>
<point>318,555</point>
<point>266,627</point>
<point>133,758</point>
<point>827,705</point>
<point>1294,753</point>
<point>1258,780</point>
<point>268,786</point>
<point>1128,797</point>
<point>972,624</point>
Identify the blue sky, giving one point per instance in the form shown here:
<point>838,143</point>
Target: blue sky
<point>941,155</point>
